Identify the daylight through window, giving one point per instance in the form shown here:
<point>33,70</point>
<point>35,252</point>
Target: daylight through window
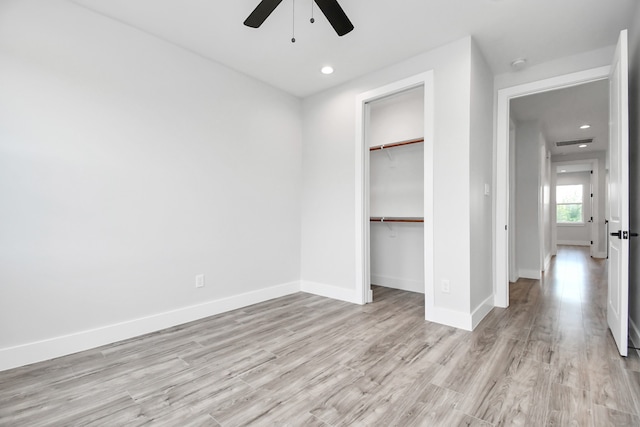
<point>569,204</point>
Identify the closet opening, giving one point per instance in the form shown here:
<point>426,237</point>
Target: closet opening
<point>395,138</point>
<point>394,185</point>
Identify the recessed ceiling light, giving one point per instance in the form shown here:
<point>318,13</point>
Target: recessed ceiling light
<point>582,145</point>
<point>327,69</point>
<point>585,126</point>
<point>563,170</point>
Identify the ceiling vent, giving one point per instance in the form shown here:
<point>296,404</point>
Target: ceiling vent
<point>575,142</point>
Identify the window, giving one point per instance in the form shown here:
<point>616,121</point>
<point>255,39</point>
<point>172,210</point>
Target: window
<point>569,204</point>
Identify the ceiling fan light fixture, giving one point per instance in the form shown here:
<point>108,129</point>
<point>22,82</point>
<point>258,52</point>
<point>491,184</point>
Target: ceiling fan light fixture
<point>327,69</point>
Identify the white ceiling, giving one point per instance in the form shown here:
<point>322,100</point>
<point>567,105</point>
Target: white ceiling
<point>386,32</point>
<point>562,112</point>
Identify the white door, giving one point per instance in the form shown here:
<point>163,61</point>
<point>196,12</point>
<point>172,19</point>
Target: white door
<point>618,294</point>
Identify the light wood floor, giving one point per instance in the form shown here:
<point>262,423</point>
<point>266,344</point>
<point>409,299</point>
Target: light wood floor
<point>304,360</point>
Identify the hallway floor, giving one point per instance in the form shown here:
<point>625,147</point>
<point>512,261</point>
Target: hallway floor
<point>306,360</point>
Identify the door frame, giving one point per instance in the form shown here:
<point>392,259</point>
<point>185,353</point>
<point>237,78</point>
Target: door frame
<point>501,224</point>
<point>362,231</point>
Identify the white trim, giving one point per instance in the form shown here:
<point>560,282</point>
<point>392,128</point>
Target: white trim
<point>401,283</point>
<point>600,255</point>
<point>634,334</point>
<point>529,274</point>
<point>362,258</point>
<point>501,243</point>
<point>574,242</point>
<point>331,291</point>
<point>456,319</point>
<point>38,351</point>
<point>547,262</point>
<point>481,311</point>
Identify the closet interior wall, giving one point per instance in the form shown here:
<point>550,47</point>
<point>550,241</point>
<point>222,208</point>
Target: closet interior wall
<point>396,185</point>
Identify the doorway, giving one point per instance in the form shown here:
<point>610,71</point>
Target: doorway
<point>505,96</point>
<point>423,82</point>
<point>617,178</point>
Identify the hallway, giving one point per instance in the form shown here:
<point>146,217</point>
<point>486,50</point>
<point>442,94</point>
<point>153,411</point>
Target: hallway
<point>564,316</point>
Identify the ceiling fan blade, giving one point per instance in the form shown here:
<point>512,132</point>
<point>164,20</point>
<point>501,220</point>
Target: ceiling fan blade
<point>261,12</point>
<point>336,16</point>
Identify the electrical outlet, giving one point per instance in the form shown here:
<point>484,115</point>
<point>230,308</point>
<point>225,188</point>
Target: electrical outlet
<point>200,281</point>
<point>445,286</point>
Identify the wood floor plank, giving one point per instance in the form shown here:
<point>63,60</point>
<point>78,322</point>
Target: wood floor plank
<point>608,384</point>
<point>569,407</point>
<point>570,367</point>
<point>472,354</point>
<point>605,417</point>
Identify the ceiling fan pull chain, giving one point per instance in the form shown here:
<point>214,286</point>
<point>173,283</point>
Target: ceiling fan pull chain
<point>293,23</point>
<point>312,20</point>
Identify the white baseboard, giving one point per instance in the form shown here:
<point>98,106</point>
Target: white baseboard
<point>529,274</point>
<point>574,242</point>
<point>547,262</point>
<point>398,283</point>
<point>481,311</point>
<point>634,335</point>
<point>330,291</point>
<point>445,316</point>
<point>38,351</point>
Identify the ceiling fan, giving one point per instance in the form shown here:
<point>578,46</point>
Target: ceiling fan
<point>330,8</point>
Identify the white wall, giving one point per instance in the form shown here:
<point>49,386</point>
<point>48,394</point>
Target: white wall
<point>527,208</point>
<point>396,118</point>
<point>576,234</point>
<point>569,64</point>
<point>634,178</point>
<point>397,189</point>
<point>128,166</point>
<point>328,206</point>
<point>397,255</point>
<point>481,174</point>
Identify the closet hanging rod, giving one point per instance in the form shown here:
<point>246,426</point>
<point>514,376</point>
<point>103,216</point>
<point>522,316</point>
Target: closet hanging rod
<point>396,219</point>
<point>396,144</point>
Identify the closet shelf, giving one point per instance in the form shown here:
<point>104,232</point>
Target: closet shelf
<point>396,144</point>
<point>396,219</point>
